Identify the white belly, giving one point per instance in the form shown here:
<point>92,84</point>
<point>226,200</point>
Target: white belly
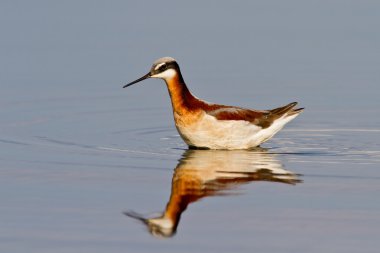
<point>208,132</point>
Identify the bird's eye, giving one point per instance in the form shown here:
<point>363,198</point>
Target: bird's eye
<point>162,67</point>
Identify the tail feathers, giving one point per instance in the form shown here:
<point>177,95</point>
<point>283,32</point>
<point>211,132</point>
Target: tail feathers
<point>278,112</point>
<point>287,109</point>
<point>295,111</point>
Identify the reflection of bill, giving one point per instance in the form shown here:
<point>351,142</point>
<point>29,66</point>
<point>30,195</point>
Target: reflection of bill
<point>202,173</point>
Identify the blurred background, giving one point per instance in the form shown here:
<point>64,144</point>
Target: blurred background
<point>76,150</point>
<point>324,54</point>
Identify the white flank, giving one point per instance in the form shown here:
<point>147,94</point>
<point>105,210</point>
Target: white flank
<point>229,134</point>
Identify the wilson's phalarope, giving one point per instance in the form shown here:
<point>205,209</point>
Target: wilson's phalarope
<point>206,125</point>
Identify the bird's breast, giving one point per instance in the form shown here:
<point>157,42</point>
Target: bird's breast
<point>203,130</point>
<point>187,118</point>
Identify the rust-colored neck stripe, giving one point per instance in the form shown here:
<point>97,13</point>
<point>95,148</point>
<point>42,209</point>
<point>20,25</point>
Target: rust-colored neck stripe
<point>182,99</point>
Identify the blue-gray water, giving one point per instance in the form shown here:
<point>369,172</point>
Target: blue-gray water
<point>77,150</point>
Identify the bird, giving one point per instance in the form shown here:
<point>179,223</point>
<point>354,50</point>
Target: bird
<point>205,125</point>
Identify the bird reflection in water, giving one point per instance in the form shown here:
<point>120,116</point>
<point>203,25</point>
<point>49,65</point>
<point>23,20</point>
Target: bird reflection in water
<point>204,173</point>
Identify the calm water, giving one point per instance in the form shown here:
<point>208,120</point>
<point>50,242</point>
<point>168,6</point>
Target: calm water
<point>86,166</point>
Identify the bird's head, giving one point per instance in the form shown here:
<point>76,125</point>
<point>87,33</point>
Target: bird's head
<point>164,68</point>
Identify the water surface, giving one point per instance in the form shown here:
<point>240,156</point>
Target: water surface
<point>78,152</point>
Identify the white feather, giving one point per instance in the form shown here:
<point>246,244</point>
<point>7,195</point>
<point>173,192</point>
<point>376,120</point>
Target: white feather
<point>229,134</point>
